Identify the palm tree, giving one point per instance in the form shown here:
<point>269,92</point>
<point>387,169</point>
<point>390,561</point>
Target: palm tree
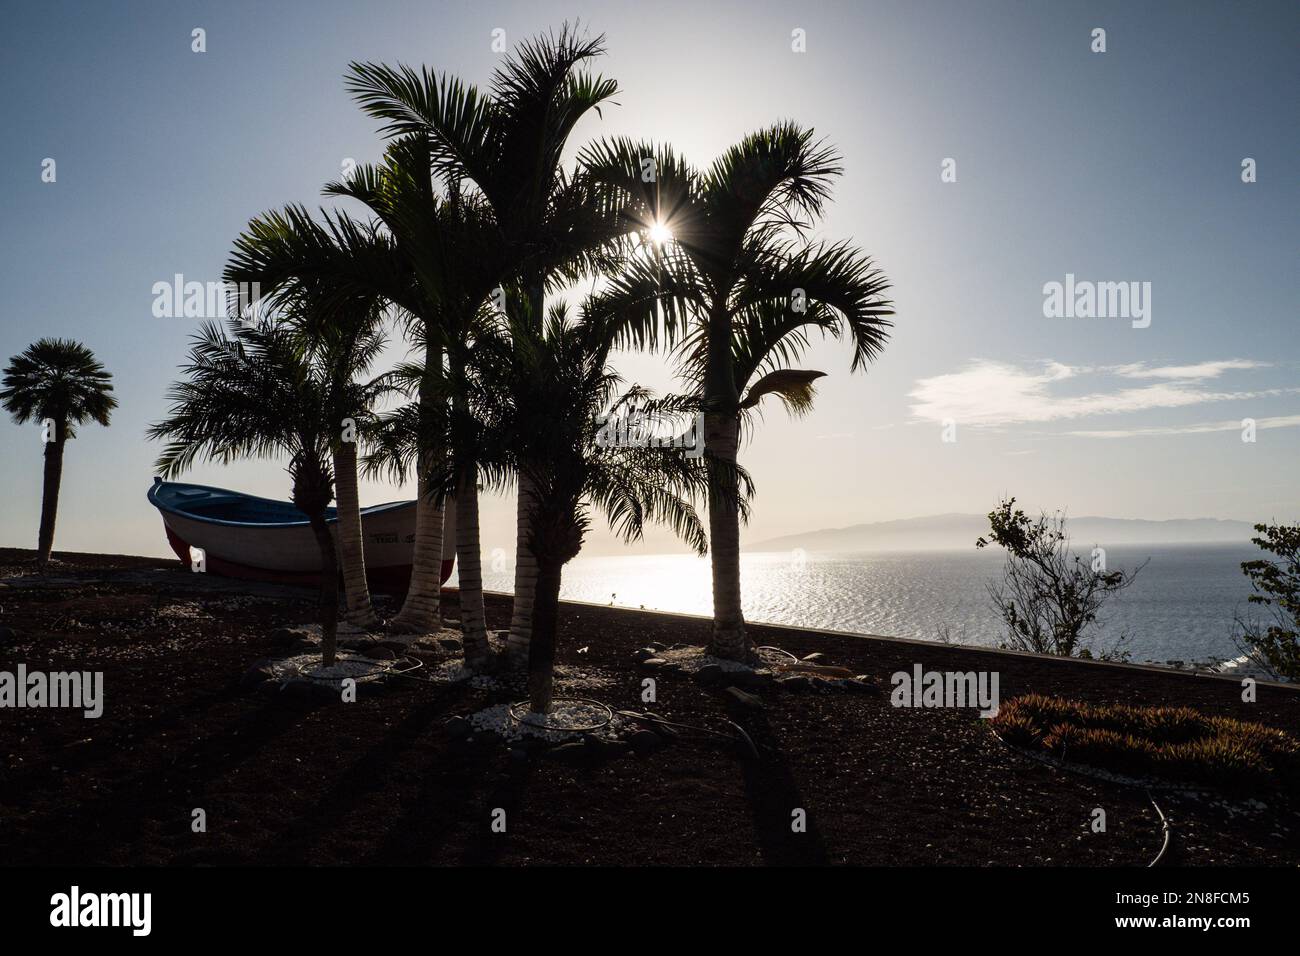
<point>341,323</point>
<point>61,384</point>
<point>508,146</point>
<point>737,291</point>
<point>346,348</point>
<point>454,248</point>
<point>258,391</point>
<point>543,397</point>
<point>436,256</point>
<point>353,262</point>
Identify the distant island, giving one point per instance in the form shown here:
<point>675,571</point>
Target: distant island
<point>948,531</point>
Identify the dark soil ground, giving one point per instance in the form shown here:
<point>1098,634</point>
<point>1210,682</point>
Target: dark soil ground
<point>285,780</point>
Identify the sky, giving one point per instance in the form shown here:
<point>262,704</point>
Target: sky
<point>988,151</point>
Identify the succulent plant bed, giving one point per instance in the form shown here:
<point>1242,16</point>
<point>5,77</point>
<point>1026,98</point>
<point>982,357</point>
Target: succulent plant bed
<point>1156,745</point>
<point>407,775</point>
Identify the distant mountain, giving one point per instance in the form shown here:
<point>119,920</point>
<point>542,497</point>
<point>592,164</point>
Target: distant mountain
<point>960,531</point>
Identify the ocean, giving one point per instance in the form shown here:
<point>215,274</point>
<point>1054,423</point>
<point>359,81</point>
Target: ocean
<point>1181,608</point>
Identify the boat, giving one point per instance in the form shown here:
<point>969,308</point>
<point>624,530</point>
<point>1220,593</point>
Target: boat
<point>243,536</point>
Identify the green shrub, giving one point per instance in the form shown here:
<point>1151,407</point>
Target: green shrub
<point>1274,641</point>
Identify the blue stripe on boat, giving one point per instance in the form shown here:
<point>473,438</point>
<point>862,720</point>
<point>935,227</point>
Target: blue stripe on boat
<point>225,507</point>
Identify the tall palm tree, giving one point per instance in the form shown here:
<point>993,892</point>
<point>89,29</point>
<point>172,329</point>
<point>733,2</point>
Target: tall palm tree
<point>508,144</point>
<point>435,254</point>
<point>59,383</point>
<point>543,396</point>
<point>257,391</point>
<point>347,347</point>
<point>737,291</point>
<point>350,263</point>
<point>455,250</point>
<point>341,323</point>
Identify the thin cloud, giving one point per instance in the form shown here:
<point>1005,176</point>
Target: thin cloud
<point>1198,372</point>
<point>1280,421</point>
<point>990,394</point>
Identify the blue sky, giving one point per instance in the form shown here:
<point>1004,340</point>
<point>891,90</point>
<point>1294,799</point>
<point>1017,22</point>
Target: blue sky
<point>1115,166</point>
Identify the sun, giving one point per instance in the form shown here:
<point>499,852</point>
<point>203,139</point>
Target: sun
<point>660,234</point>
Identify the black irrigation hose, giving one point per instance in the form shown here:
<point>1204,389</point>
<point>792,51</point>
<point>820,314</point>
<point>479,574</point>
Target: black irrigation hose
<point>416,663</point>
<point>776,650</point>
<point>745,738</point>
<point>380,672</point>
<point>739,737</point>
<point>584,729</point>
<point>1165,829</point>
<point>414,677</point>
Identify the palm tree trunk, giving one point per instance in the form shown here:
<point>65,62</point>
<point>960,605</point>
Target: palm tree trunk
<point>473,617</point>
<point>521,618</point>
<point>541,648</point>
<point>421,611</point>
<point>521,615</point>
<point>721,437</point>
<point>351,541</point>
<point>329,589</point>
<point>50,493</point>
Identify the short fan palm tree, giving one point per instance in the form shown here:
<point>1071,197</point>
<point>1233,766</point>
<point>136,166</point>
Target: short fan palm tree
<point>257,391</point>
<point>738,291</point>
<point>59,384</point>
<point>543,397</point>
<point>507,144</point>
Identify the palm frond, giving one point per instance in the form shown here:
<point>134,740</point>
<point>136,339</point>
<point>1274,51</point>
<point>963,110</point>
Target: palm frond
<point>774,178</point>
<point>793,386</point>
<point>456,118</point>
<point>831,284</point>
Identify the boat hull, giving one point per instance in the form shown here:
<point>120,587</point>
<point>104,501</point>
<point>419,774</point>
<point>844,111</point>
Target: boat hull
<point>285,551</point>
